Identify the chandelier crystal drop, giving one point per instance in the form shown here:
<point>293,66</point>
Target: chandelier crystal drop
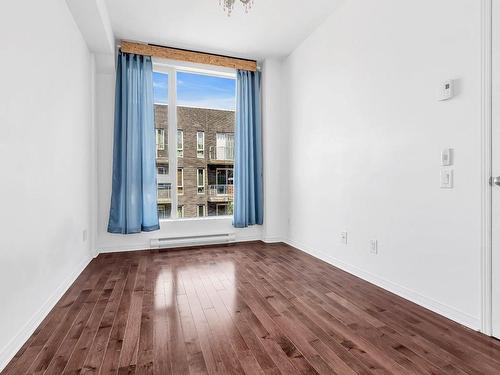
<point>228,5</point>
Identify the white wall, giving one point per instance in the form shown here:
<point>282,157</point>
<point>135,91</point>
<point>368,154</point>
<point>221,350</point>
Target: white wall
<point>366,134</point>
<point>275,143</point>
<point>274,156</point>
<point>45,117</point>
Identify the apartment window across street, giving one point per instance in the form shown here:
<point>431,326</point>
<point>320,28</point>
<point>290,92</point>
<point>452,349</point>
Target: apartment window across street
<point>180,181</point>
<point>160,139</point>
<point>180,143</point>
<point>202,210</point>
<point>180,212</point>
<point>197,124</point>
<point>224,146</point>
<point>224,209</point>
<point>201,180</point>
<point>163,211</point>
<point>200,145</point>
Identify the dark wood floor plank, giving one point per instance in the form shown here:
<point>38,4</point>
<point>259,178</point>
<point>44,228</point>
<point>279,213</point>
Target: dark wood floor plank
<point>245,309</point>
<point>145,349</point>
<point>97,297</point>
<point>95,356</point>
<point>211,356</point>
<point>111,361</point>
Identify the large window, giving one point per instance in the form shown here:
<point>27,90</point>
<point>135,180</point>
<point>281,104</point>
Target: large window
<point>194,141</point>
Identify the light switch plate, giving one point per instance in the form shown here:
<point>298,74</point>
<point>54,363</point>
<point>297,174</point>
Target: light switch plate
<point>447,157</point>
<point>447,179</point>
<point>446,90</point>
<point>374,246</point>
<point>343,238</point>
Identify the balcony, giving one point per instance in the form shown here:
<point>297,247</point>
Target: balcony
<point>221,155</point>
<point>164,193</point>
<point>220,193</point>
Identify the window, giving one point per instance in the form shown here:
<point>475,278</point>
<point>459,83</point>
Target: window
<point>224,178</point>
<point>224,146</point>
<point>200,178</point>
<point>201,113</point>
<point>180,143</point>
<point>160,139</point>
<point>164,211</point>
<point>180,212</point>
<point>200,145</point>
<point>224,209</point>
<point>180,181</point>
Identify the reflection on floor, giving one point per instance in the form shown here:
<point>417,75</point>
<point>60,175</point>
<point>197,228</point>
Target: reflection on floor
<point>249,308</point>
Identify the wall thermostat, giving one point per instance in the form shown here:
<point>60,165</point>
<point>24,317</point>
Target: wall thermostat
<point>446,90</point>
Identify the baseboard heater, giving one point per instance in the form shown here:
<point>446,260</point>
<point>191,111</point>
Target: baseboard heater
<point>208,239</point>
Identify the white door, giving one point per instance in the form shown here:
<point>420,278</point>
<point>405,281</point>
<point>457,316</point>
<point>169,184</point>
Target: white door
<point>496,169</point>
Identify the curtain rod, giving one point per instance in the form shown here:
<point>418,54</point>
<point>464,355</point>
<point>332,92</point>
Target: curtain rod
<point>187,55</point>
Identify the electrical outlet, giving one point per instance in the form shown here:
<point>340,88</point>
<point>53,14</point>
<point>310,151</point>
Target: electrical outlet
<point>374,246</point>
<point>343,238</point>
<point>84,235</point>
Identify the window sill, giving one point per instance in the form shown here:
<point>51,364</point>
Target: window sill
<point>206,218</point>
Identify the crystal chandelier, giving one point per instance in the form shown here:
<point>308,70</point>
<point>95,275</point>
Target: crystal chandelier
<point>228,5</point>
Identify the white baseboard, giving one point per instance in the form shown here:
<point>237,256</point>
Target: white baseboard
<point>13,346</point>
<point>429,303</point>
<point>272,239</point>
<point>121,248</point>
<point>146,245</point>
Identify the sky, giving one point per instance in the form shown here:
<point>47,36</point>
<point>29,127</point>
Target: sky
<point>197,90</point>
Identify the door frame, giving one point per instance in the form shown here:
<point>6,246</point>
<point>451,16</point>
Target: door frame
<point>486,167</point>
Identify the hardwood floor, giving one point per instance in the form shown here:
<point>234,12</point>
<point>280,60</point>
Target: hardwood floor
<point>249,308</point>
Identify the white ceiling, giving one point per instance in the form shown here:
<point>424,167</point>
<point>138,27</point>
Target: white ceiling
<point>273,28</point>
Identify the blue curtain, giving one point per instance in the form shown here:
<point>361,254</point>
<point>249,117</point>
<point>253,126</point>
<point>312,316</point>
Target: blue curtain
<point>248,194</point>
<point>133,198</point>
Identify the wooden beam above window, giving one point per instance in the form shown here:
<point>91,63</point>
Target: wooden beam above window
<point>190,56</point>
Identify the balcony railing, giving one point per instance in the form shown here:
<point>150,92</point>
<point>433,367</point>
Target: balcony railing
<point>220,193</point>
<point>221,153</point>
